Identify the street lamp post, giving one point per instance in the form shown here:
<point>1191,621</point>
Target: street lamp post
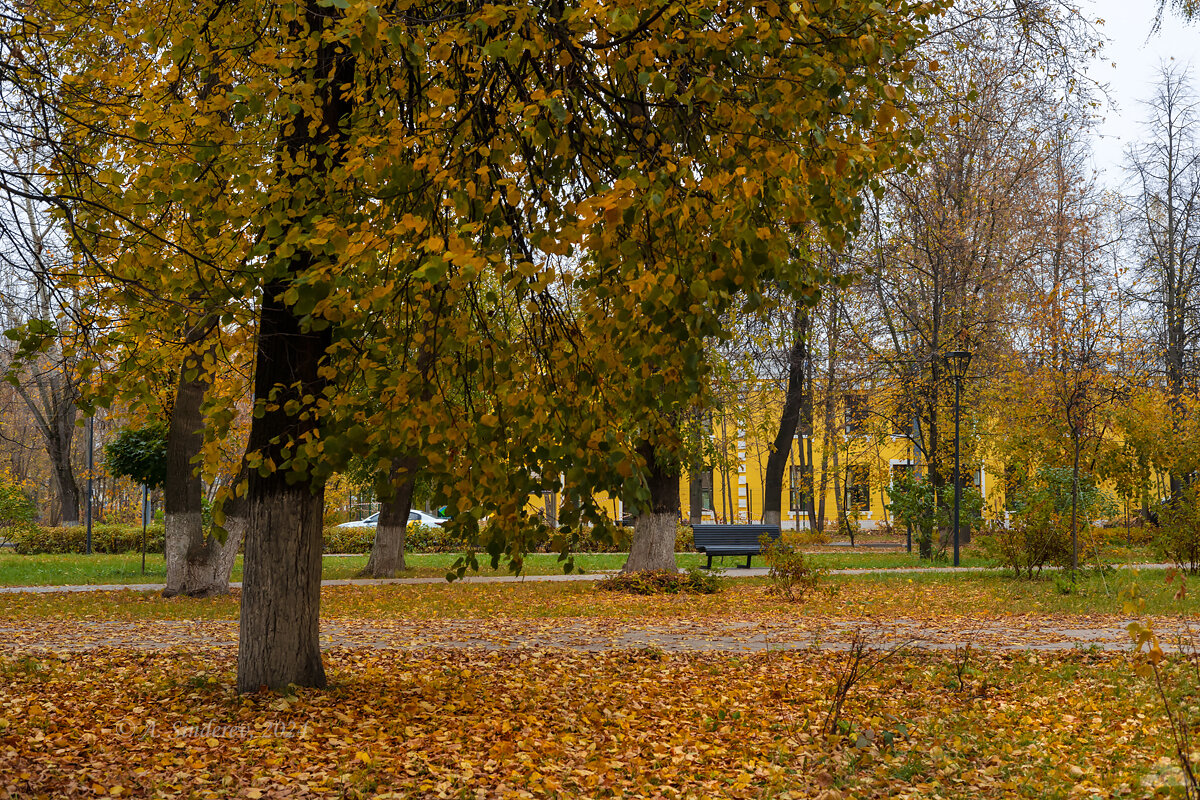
<point>91,447</point>
<point>957,362</point>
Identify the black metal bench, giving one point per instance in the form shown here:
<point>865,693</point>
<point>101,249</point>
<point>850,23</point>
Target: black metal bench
<point>731,540</point>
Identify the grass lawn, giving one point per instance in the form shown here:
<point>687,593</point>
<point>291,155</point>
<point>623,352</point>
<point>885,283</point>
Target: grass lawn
<point>64,570</point>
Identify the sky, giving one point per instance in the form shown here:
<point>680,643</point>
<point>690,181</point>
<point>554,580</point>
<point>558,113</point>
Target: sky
<point>1130,66</point>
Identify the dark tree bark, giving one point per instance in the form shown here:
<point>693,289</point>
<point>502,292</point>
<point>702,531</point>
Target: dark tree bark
<point>51,399</point>
<point>653,546</point>
<point>387,552</point>
<point>279,640</point>
<point>789,422</point>
<point>695,495</point>
<point>279,637</point>
<point>696,473</point>
<point>195,561</point>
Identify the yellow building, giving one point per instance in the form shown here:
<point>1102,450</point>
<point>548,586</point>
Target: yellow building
<point>868,448</point>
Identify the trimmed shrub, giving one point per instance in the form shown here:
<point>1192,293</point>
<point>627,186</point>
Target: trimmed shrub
<point>431,539</point>
<point>436,539</point>
<point>348,540</point>
<point>419,539</point>
<point>807,537</point>
<point>685,541</point>
<point>652,582</point>
<point>107,538</point>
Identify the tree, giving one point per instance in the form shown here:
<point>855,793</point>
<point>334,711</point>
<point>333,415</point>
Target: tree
<point>1165,213</point>
<point>952,241</point>
<point>46,378</point>
<point>199,561</point>
<point>551,201</point>
<point>797,406</point>
<point>139,454</point>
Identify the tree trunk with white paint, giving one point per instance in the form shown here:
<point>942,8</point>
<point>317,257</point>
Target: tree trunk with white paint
<point>653,546</point>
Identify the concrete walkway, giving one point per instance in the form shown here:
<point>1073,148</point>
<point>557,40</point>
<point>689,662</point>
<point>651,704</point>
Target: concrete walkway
<point>677,635</point>
<point>738,572</point>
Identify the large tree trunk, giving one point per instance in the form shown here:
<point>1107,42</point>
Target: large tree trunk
<point>696,477</point>
<point>726,484</point>
<point>789,421</point>
<point>66,487</point>
<point>279,640</point>
<point>279,635</point>
<point>806,444</point>
<point>193,559</point>
<point>387,552</point>
<point>54,410</point>
<point>653,546</point>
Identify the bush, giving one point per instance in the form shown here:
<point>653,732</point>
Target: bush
<point>348,540</point>
<point>1178,536</point>
<point>809,536</point>
<point>431,539</point>
<point>791,577</point>
<point>1037,538</point>
<point>914,501</point>
<point>652,582</point>
<point>109,538</point>
<point>419,539</point>
<point>1040,534</point>
<point>436,539</point>
<point>685,541</point>
<point>16,507</point>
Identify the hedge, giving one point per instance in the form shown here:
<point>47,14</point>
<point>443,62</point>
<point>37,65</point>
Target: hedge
<point>127,538</point>
<point>434,539</point>
<point>419,539</point>
<point>106,538</point>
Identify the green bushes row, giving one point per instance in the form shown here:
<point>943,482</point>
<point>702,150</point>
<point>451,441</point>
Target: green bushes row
<point>433,539</point>
<point>28,539</point>
<point>31,540</point>
<point>419,539</point>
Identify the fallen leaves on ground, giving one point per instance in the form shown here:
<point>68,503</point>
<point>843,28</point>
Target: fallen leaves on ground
<point>630,722</point>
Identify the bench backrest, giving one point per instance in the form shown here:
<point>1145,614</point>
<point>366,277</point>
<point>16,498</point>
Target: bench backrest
<point>748,535</point>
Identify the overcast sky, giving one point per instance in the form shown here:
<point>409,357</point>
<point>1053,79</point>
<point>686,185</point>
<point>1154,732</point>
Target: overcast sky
<point>1130,66</point>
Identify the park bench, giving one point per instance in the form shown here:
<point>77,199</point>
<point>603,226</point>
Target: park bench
<point>731,540</point>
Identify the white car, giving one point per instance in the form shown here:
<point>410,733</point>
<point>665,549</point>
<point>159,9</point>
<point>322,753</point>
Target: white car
<point>413,516</point>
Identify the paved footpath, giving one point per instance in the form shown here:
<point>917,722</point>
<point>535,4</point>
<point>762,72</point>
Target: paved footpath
<point>749,632</point>
<point>683,634</point>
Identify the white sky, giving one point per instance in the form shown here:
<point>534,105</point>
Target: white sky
<point>1130,66</point>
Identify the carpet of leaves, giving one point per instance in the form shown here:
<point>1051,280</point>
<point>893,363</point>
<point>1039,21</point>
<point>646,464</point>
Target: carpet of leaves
<point>473,723</point>
<point>561,691</point>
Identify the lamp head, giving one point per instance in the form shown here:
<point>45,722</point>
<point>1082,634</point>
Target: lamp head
<point>957,363</point>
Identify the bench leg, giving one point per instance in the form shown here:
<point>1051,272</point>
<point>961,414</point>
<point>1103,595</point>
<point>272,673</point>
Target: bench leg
<point>748,561</point>
<point>709,560</point>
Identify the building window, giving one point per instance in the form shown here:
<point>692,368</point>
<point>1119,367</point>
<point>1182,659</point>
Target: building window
<point>972,479</point>
<point>799,497</point>
<point>706,490</point>
<point>901,469</point>
<point>858,488</point>
<point>856,412</point>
